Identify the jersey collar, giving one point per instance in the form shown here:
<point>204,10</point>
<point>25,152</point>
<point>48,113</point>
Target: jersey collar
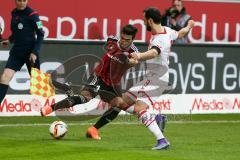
<point>164,32</point>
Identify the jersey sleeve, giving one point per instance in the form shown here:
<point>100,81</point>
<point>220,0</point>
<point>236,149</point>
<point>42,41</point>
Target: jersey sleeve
<point>156,44</point>
<point>38,27</point>
<point>11,37</point>
<point>173,34</point>
<point>134,48</point>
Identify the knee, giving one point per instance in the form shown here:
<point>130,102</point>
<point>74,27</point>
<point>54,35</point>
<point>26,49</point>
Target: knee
<point>87,95</point>
<point>7,76</point>
<point>139,106</point>
<point>119,102</point>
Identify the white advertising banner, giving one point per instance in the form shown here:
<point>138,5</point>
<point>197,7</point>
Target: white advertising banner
<point>28,105</point>
<point>199,103</point>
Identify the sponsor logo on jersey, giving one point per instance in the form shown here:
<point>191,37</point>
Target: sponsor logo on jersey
<point>115,58</point>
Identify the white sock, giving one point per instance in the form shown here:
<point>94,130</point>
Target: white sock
<point>149,121</point>
<point>153,127</point>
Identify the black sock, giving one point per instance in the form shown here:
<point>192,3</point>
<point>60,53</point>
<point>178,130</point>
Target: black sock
<point>3,91</point>
<point>107,117</point>
<point>61,86</point>
<point>69,102</point>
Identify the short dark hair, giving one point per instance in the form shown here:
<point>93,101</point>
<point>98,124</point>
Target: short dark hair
<point>129,30</point>
<point>153,13</point>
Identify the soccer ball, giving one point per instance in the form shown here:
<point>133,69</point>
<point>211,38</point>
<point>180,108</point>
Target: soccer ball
<point>58,129</point>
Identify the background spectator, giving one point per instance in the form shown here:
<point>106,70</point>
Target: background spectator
<point>177,18</point>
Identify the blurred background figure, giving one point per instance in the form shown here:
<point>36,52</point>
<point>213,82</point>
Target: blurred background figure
<point>177,18</point>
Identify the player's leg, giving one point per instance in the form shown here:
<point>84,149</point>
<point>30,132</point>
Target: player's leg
<point>112,98</point>
<point>84,97</point>
<point>149,120</point>
<point>146,117</point>
<point>140,109</point>
<point>107,94</point>
<point>107,117</point>
<point>113,112</point>
<point>65,88</point>
<point>13,64</point>
<point>160,119</point>
<point>88,93</point>
<point>4,82</point>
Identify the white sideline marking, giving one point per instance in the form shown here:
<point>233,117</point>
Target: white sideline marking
<point>116,123</point>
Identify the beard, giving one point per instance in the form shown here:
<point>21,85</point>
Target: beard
<point>149,28</point>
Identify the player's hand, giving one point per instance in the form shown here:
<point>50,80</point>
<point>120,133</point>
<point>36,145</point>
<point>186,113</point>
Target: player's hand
<point>5,43</point>
<point>32,58</point>
<point>132,61</point>
<point>191,24</point>
<point>135,56</point>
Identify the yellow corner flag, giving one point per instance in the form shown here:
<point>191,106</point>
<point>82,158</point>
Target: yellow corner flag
<point>40,83</point>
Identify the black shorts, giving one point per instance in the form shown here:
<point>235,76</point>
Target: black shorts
<point>106,92</point>
<point>15,62</point>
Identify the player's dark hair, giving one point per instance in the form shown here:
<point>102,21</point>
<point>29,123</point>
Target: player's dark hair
<point>129,30</point>
<point>153,13</point>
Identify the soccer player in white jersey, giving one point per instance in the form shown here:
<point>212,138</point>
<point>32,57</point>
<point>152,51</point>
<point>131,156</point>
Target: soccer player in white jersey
<point>156,82</point>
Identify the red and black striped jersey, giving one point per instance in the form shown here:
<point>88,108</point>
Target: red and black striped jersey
<point>114,62</point>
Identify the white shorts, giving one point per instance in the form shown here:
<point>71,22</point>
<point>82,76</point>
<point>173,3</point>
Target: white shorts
<point>150,88</point>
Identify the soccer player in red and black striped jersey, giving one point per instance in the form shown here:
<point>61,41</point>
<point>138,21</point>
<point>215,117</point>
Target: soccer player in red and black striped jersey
<point>115,62</point>
<point>105,80</point>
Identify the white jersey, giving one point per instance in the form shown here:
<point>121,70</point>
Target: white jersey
<point>156,81</point>
<point>163,41</point>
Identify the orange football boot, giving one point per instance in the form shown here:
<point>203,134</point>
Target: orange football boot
<point>93,133</point>
<point>46,110</point>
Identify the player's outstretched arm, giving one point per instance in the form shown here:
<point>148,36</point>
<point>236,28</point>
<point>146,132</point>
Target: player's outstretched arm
<point>150,54</point>
<point>186,29</point>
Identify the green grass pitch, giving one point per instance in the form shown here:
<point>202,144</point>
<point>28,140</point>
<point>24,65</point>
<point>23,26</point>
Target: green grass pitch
<point>200,137</point>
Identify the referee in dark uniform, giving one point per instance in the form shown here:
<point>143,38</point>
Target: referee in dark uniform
<point>27,37</point>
